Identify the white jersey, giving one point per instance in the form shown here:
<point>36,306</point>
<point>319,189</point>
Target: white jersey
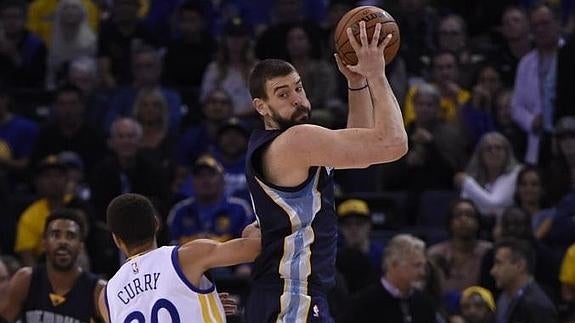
<point>152,288</point>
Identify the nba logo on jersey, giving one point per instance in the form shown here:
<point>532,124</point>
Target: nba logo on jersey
<point>135,268</point>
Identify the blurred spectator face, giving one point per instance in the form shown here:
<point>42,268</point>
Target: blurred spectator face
<point>236,44</point>
<point>515,223</point>
<point>463,224</point>
<point>125,136</point>
<point>529,187</point>
<point>444,68</point>
<point>218,106</point>
<point>355,230</point>
<point>52,183</point>
<point>489,79</point>
<point>566,143</point>
<point>191,22</point>
<point>493,153</point>
<point>4,279</point>
<point>475,310</point>
<point>545,28</point>
<point>426,108</point>
<point>83,74</point>
<point>504,268</point>
<point>451,34</point>
<point>69,109</point>
<point>412,269</point>
<point>297,42</point>
<point>208,183</point>
<point>514,24</point>
<point>72,12</point>
<point>63,243</point>
<point>125,11</point>
<point>151,111</point>
<point>12,20</point>
<point>503,109</point>
<point>232,142</point>
<point>146,69</point>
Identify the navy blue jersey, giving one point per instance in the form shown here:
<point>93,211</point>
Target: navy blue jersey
<point>298,227</point>
<point>43,305</point>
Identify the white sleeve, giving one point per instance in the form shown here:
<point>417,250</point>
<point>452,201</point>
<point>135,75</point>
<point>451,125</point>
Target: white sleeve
<point>500,195</point>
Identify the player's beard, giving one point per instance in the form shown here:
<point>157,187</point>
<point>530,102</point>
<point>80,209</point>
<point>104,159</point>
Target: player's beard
<point>301,115</point>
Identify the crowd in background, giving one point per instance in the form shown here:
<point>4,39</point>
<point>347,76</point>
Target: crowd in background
<point>104,97</point>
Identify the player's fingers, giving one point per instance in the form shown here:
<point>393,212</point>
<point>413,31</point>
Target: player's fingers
<point>385,41</point>
<point>375,37</point>
<point>352,41</point>
<point>363,34</point>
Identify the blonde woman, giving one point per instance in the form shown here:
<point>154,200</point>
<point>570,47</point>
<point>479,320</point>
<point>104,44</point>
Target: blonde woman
<point>491,175</point>
<point>72,37</point>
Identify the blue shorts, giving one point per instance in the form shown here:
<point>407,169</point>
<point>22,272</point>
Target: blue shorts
<point>263,306</point>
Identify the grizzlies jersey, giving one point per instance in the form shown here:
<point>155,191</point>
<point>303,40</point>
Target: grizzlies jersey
<point>152,288</point>
<point>43,305</point>
<point>299,233</point>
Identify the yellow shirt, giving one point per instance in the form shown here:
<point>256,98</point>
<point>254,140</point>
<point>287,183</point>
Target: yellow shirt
<point>567,273</point>
<point>448,107</point>
<point>30,227</point>
<point>41,16</point>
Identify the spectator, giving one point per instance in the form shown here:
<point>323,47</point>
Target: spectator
<point>567,279</point>
<point>490,177</point>
<point>359,257</point>
<point>437,148</point>
<point>117,38</point>
<point>72,38</point>
<point>230,151</point>
<point>535,85</point>
<point>189,53</point>
<point>68,130</point>
<point>522,299</point>
<point>395,297</point>
<point>477,305</point>
<point>530,196</point>
<point>60,288</point>
<point>146,71</point>
<point>17,138</point>
<point>444,75</point>
<point>83,74</point>
<point>209,213</point>
<point>230,69</point>
<point>41,12</point>
<point>51,182</point>
<point>477,114</point>
<point>505,125</point>
<point>460,257</point>
<point>77,185</point>
<point>22,54</point>
<point>516,43</point>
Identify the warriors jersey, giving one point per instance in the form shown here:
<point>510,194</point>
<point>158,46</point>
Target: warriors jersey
<point>299,232</point>
<point>43,305</point>
<point>152,288</point>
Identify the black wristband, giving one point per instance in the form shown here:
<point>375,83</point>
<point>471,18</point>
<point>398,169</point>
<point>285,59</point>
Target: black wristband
<point>359,88</point>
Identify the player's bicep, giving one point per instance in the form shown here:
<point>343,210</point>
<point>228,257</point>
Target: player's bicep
<point>344,148</point>
<point>17,291</point>
<point>211,254</point>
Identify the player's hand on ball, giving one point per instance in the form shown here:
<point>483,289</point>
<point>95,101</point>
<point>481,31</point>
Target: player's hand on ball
<point>371,61</point>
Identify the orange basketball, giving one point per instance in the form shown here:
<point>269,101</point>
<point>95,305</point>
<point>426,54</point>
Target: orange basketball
<point>371,15</point>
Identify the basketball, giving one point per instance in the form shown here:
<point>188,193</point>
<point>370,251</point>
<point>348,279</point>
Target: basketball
<point>371,15</point>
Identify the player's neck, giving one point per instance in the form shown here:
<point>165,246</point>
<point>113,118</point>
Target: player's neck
<point>142,249</point>
<point>62,280</point>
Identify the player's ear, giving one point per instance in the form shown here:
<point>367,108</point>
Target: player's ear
<point>260,106</point>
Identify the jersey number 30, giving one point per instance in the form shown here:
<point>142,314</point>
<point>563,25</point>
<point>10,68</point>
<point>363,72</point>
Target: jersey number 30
<point>162,303</point>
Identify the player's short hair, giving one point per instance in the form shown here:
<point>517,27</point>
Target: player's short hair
<point>400,248</point>
<point>73,215</point>
<point>266,70</point>
<point>132,218</point>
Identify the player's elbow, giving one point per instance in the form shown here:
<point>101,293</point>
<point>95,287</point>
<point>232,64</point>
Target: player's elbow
<point>394,148</point>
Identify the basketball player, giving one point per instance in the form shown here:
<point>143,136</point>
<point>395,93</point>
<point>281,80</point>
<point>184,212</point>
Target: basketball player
<point>165,284</point>
<point>290,175</point>
<point>58,291</point>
